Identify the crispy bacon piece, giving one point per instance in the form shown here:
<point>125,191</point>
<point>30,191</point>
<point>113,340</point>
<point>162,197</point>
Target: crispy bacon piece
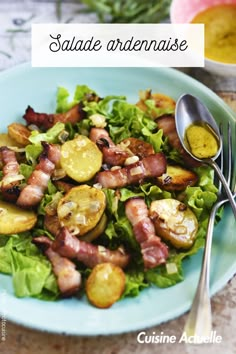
<point>154,251</point>
<point>138,147</point>
<point>52,152</point>
<point>68,278</point>
<point>37,183</point>
<point>63,186</point>
<point>11,176</point>
<point>46,121</point>
<point>116,155</point>
<point>148,167</point>
<point>52,224</point>
<point>112,154</point>
<point>70,246</point>
<point>167,124</point>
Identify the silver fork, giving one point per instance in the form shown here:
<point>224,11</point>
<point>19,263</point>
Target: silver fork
<point>199,321</point>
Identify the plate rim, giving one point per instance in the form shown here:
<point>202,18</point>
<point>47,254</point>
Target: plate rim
<point>217,285</point>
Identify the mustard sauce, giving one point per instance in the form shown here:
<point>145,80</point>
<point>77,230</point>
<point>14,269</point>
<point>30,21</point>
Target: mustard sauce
<point>202,141</point>
<point>220,32</point>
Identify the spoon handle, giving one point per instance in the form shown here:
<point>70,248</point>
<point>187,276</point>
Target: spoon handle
<point>225,185</point>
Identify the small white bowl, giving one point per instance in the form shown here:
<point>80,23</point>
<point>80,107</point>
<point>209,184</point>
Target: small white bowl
<point>219,68</point>
<point>183,11</point>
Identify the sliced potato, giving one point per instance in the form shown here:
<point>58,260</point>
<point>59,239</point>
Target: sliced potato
<point>105,285</point>
<point>20,133</point>
<point>80,158</point>
<point>14,219</point>
<point>81,209</point>
<point>96,231</point>
<point>6,140</point>
<point>176,178</point>
<point>174,222</point>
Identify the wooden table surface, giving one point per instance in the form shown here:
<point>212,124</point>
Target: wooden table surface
<point>15,19</point>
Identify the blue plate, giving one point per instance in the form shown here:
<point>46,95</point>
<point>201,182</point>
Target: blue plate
<point>24,85</point>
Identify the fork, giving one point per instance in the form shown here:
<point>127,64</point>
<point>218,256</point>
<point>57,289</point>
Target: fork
<point>199,321</point>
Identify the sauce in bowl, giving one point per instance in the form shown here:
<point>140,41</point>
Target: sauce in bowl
<point>220,32</point>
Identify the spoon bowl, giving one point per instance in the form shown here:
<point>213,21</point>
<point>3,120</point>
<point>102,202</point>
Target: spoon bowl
<point>189,111</point>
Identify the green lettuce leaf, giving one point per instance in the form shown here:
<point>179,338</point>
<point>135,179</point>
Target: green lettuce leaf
<point>32,152</point>
<point>5,260</point>
<point>159,111</point>
<point>155,139</point>
<point>51,198</point>
<point>26,170</point>
<point>31,271</point>
<point>135,282</point>
<point>103,106</point>
<point>153,192</point>
<point>63,97</point>
<point>50,136</point>
<point>127,120</point>
<point>161,278</point>
<point>126,194</point>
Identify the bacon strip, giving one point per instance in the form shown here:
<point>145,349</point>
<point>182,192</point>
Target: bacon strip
<point>46,121</point>
<point>37,183</point>
<point>154,251</point>
<point>138,147</point>
<point>70,246</point>
<point>112,154</point>
<point>167,124</point>
<point>68,278</point>
<point>11,177</point>
<point>148,167</point>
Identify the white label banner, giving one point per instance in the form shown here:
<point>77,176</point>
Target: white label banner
<point>113,45</point>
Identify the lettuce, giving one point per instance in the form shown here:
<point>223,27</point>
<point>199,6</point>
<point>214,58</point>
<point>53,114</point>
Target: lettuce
<point>50,136</point>
<point>124,119</point>
<point>52,197</point>
<point>155,139</point>
<point>119,229</point>
<point>159,111</point>
<point>153,192</point>
<point>135,282</point>
<point>127,120</point>
<point>161,278</point>
<point>32,152</point>
<point>26,170</point>
<point>102,106</point>
<point>126,194</point>
<point>201,198</point>
<point>5,260</point>
<point>63,95</point>
<point>31,271</point>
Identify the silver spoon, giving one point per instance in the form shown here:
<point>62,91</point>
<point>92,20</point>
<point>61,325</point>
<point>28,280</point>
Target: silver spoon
<point>190,110</point>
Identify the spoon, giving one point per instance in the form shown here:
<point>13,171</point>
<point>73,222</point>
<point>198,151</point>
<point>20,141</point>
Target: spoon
<point>190,110</point>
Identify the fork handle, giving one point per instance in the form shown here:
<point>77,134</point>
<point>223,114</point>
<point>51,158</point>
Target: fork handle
<point>199,322</point>
<point>225,185</point>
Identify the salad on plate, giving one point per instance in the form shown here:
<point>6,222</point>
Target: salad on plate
<point>99,198</point>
